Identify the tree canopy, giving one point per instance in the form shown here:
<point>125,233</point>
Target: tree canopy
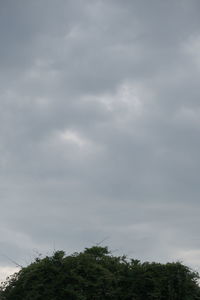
<point>96,274</point>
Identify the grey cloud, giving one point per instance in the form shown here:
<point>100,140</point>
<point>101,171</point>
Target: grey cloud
<point>99,127</point>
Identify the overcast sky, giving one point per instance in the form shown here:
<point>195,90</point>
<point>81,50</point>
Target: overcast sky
<point>100,128</point>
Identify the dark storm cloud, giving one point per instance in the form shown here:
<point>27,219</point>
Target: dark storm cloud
<point>99,127</point>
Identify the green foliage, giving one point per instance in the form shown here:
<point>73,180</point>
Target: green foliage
<point>96,274</point>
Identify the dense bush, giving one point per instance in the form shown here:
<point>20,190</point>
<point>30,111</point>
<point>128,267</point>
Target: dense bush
<point>96,274</point>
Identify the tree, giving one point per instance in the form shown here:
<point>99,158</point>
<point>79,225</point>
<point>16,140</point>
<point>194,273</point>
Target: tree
<point>95,274</point>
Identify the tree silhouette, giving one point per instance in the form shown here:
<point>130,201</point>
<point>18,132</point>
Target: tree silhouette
<point>95,274</point>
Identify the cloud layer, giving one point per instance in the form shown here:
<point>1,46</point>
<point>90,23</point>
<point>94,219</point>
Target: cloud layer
<point>99,128</point>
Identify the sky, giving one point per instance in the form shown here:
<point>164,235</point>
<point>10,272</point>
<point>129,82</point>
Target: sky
<point>99,129</point>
